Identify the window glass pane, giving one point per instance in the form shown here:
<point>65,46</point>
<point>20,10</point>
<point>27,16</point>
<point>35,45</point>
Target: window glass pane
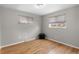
<point>57,22</point>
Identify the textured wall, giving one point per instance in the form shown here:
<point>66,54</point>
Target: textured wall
<point>70,35</point>
<point>12,32</point>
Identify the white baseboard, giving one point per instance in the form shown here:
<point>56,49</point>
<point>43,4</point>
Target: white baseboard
<point>35,38</point>
<point>17,43</point>
<point>63,43</point>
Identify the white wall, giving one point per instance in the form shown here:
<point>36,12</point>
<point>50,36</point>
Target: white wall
<point>0,26</point>
<point>70,35</point>
<point>0,30</point>
<point>12,32</point>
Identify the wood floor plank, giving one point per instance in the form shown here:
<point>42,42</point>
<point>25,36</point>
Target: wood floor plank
<point>39,47</point>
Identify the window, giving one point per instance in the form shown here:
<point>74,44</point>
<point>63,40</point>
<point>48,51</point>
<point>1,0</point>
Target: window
<point>57,21</point>
<point>25,19</point>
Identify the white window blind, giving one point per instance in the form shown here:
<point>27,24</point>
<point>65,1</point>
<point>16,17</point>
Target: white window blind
<point>57,21</point>
<point>25,19</point>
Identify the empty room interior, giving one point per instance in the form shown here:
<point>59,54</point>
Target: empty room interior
<point>39,29</point>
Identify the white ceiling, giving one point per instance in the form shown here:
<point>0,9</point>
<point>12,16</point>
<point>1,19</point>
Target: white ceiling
<point>49,8</point>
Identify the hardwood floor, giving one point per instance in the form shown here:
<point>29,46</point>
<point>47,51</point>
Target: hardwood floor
<point>39,47</point>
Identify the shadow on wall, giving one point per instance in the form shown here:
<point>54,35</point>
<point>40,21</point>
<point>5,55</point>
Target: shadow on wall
<point>32,32</point>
